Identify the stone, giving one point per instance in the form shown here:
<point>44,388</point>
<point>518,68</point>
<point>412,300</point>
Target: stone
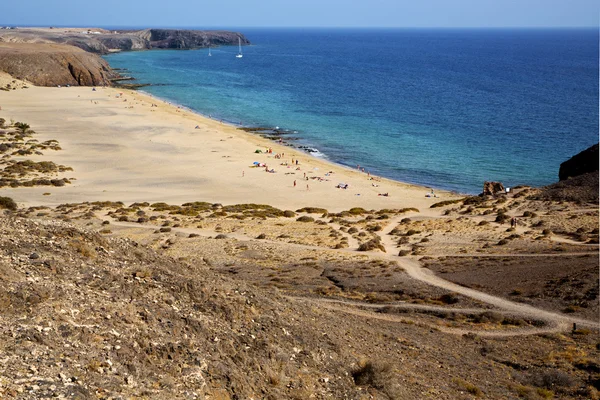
<point>491,188</point>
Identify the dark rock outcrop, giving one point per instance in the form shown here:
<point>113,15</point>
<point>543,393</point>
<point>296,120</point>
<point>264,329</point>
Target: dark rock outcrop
<point>46,64</point>
<point>491,188</point>
<point>578,179</point>
<point>579,164</point>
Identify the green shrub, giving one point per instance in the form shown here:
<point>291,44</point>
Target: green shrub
<point>357,211</point>
<point>312,210</point>
<point>305,218</point>
<point>446,203</point>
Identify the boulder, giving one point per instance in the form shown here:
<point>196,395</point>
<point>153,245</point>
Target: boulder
<point>491,188</point>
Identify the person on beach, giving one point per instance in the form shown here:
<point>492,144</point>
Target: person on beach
<point>307,187</point>
<point>294,183</point>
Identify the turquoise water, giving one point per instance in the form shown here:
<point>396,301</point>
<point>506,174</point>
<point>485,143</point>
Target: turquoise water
<point>444,108</point>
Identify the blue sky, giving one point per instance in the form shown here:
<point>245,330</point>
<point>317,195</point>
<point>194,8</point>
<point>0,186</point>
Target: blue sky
<point>303,13</point>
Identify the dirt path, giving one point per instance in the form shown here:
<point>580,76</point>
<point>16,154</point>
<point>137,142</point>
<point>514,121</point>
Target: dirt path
<point>351,308</point>
<point>555,322</point>
<point>500,255</point>
<point>416,271</point>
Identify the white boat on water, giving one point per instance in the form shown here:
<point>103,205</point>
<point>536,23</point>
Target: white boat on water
<point>209,54</point>
<point>239,54</point>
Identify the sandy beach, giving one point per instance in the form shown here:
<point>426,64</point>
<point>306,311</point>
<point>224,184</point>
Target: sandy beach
<point>122,148</point>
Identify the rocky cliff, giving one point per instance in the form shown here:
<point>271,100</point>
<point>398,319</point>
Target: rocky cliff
<point>101,41</point>
<point>46,64</point>
<point>581,163</point>
<point>50,57</point>
<point>188,39</point>
<point>578,179</point>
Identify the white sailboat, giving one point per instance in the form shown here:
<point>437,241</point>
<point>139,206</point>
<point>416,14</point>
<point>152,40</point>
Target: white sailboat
<point>239,54</point>
<point>209,54</point>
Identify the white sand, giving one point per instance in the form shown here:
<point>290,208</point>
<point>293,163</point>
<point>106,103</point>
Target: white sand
<point>155,154</point>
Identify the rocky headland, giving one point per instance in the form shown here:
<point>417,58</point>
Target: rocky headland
<point>70,56</point>
<point>48,64</point>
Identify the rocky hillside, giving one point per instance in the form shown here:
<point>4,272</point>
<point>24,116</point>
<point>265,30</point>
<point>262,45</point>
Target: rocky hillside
<point>578,179</point>
<point>46,64</point>
<point>581,163</point>
<point>101,41</point>
<point>84,316</point>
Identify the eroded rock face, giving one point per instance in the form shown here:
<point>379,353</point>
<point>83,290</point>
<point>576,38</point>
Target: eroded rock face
<point>188,39</point>
<point>101,41</point>
<point>46,64</point>
<point>582,163</point>
<point>491,188</point>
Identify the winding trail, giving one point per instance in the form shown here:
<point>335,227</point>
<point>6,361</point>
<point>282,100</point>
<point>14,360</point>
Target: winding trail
<point>554,322</point>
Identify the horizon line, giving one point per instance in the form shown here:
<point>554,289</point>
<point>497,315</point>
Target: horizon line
<point>2,24</point>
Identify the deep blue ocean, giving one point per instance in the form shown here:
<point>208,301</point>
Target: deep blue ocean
<point>447,108</point>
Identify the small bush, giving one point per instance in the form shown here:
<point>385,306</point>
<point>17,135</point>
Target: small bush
<point>221,236</point>
<point>312,210</point>
<point>446,203</point>
<point>289,214</point>
<point>165,229</point>
<point>551,379</point>
<point>502,217</point>
<point>261,236</point>
<point>372,244</point>
<point>357,211</point>
<point>372,374</point>
<point>469,387</point>
<point>449,298</point>
<point>305,218</point>
<point>352,230</point>
<point>7,203</point>
<point>374,228</point>
<point>483,223</point>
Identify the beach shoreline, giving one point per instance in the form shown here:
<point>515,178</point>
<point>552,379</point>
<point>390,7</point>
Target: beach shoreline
<point>123,149</point>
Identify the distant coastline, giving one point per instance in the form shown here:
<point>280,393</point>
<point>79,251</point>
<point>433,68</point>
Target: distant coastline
<point>445,108</point>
